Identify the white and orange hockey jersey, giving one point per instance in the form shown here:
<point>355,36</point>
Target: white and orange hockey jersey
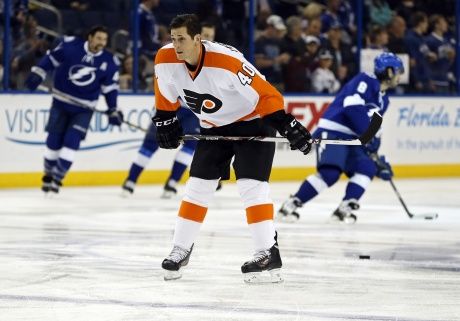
<point>223,89</point>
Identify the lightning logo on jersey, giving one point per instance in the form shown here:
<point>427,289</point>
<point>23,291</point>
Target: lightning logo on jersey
<point>81,75</point>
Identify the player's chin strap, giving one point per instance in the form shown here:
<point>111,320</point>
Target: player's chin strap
<point>82,104</point>
<point>373,128</point>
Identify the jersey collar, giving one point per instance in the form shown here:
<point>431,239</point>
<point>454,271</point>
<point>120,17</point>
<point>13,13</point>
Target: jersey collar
<point>193,72</point>
<point>88,52</point>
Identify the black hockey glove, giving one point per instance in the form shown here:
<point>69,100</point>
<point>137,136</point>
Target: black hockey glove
<point>298,136</point>
<point>115,117</point>
<point>169,129</point>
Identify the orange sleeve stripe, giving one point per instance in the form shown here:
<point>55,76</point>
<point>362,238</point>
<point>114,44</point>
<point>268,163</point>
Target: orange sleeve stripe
<point>192,212</point>
<point>166,55</point>
<point>161,103</point>
<point>270,99</point>
<point>259,213</point>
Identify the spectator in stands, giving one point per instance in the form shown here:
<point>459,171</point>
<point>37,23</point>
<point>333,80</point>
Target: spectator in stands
<point>311,56</point>
<point>313,11</point>
<point>71,5</point>
<point>406,8</point>
<point>313,27</point>
<point>347,17</point>
<point>295,70</point>
<point>208,31</point>
<point>27,53</point>
<point>396,33</point>
<point>234,20</point>
<point>126,74</point>
<point>286,8</point>
<point>330,15</point>
<point>440,69</point>
<point>378,38</point>
<point>380,13</point>
<point>268,56</point>
<point>420,54</point>
<point>323,79</point>
<point>148,28</point>
<point>163,35</point>
<point>344,63</point>
<point>339,12</point>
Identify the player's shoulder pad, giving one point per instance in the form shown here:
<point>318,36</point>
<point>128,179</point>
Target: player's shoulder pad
<point>222,48</point>
<point>166,54</point>
<point>68,41</point>
<point>365,83</point>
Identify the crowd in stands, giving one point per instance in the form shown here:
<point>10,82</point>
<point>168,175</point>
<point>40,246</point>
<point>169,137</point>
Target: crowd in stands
<point>300,46</point>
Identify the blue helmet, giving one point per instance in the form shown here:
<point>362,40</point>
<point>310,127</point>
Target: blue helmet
<point>387,60</point>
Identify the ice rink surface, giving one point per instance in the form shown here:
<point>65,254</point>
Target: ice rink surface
<point>89,255</point>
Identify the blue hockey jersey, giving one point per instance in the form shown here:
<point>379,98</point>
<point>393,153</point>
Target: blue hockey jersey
<point>348,116</point>
<point>440,68</point>
<point>80,74</point>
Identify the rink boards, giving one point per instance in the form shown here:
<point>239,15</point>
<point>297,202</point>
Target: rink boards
<point>420,138</point>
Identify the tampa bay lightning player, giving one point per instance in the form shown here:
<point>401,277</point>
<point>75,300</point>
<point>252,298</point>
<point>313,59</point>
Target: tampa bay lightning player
<point>347,117</point>
<point>149,146</point>
<point>82,70</point>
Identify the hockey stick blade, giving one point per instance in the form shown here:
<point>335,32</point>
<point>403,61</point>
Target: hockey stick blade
<point>427,216</point>
<point>373,128</point>
<point>82,104</point>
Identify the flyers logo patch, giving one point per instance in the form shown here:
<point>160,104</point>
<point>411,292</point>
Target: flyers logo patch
<point>205,103</point>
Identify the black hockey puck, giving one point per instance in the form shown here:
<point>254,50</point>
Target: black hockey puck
<point>364,257</point>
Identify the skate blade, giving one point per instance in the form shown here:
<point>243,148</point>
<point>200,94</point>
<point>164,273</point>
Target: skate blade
<point>50,195</point>
<point>348,220</point>
<point>290,218</point>
<point>287,218</point>
<point>351,219</point>
<point>272,276</point>
<point>125,194</point>
<point>171,275</point>
<point>167,195</point>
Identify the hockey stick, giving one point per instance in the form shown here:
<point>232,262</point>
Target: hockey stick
<point>428,216</point>
<point>373,128</point>
<point>82,104</point>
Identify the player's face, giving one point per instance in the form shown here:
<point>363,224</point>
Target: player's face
<point>184,45</point>
<point>97,42</point>
<point>394,80</point>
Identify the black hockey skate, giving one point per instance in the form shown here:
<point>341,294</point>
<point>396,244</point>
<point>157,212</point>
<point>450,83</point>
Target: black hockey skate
<point>50,184</point>
<point>264,260</point>
<point>127,189</point>
<point>287,212</point>
<point>344,212</point>
<point>176,259</point>
<point>168,191</point>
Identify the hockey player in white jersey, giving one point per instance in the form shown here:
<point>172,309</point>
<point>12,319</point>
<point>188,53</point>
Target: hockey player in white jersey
<point>82,70</point>
<point>347,117</point>
<point>231,98</point>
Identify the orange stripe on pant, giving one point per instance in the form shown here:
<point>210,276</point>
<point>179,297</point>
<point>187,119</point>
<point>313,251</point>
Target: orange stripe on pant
<point>259,213</point>
<point>192,212</point>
